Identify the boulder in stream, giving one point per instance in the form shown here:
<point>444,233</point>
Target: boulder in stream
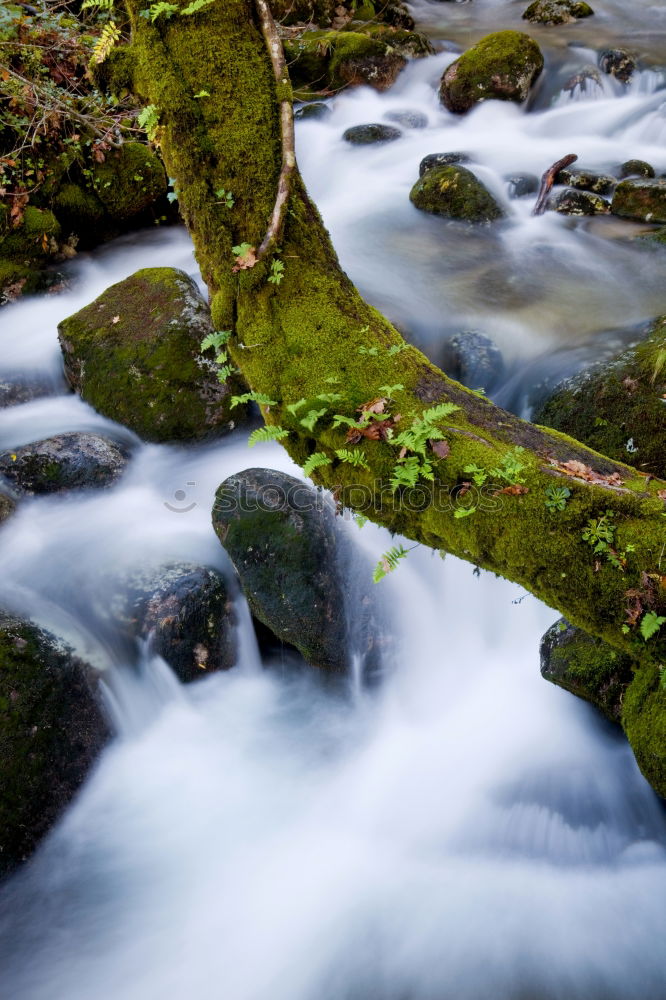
<point>473,359</point>
<point>455,193</point>
<point>503,66</point>
<point>618,407</point>
<point>643,200</point>
<point>587,180</point>
<point>441,160</point>
<point>368,135</point>
<point>575,202</point>
<point>557,11</point>
<point>51,731</point>
<point>134,354</point>
<point>636,168</point>
<point>618,63</point>
<point>292,558</point>
<point>7,506</point>
<point>187,612</point>
<point>77,460</point>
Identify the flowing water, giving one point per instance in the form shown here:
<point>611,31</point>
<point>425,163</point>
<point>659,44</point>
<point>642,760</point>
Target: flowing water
<point>465,830</point>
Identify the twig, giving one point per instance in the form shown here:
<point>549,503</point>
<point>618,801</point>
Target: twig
<point>288,166</point>
<point>548,180</point>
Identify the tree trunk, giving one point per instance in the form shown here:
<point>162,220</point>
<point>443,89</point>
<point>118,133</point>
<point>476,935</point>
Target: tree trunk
<point>312,334</point>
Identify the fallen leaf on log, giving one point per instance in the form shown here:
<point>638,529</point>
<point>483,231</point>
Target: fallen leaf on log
<point>514,491</point>
<point>441,448</point>
<point>581,471</point>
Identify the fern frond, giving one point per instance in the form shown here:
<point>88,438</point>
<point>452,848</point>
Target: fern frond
<point>252,397</point>
<point>329,397</point>
<point>217,339</point>
<point>436,413</point>
<point>311,418</point>
<point>195,6</point>
<point>315,462</point>
<point>109,36</point>
<point>293,408</point>
<point>272,433</point>
<point>355,458</point>
<point>389,562</point>
<point>224,372</point>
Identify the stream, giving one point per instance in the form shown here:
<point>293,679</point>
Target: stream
<point>465,831</point>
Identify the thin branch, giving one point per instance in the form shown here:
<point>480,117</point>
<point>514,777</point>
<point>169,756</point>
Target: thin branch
<point>548,180</point>
<point>276,52</point>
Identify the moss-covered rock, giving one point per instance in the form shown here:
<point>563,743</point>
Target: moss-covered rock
<point>455,193</point>
<point>129,181</point>
<point>34,240</point>
<point>77,208</point>
<point>134,355</point>
<point>282,538</point>
<point>557,11</point>
<point>78,460</point>
<point>636,168</point>
<point>644,200</point>
<point>644,721</point>
<point>618,407</point>
<point>51,731</point>
<point>610,680</point>
<point>441,160</point>
<point>331,60</point>
<point>576,202</point>
<point>341,12</point>
<point>502,67</point>
<point>587,180</point>
<point>587,667</point>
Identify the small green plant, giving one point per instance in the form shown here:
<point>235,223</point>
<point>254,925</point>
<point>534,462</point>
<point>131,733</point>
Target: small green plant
<point>556,498</point>
<point>224,372</point>
<point>479,475</point>
<point>161,9</point>
<point>149,120</point>
<point>650,624</point>
<point>277,272</point>
<point>464,512</point>
<point>511,467</point>
<point>329,397</point>
<point>311,418</point>
<point>315,461</point>
<point>355,458</point>
<point>371,352</point>
<point>224,197</point>
<point>408,472</point>
<point>202,93</point>
<point>252,397</point>
<point>390,561</point>
<point>217,340</point>
<point>241,250</point>
<point>293,408</point>
<point>109,37</point>
<point>270,433</point>
<point>195,6</point>
<point>396,349</point>
<point>388,390</point>
<point>360,520</point>
<point>599,533</point>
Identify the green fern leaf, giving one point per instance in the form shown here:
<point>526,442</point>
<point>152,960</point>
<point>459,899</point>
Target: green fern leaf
<point>315,462</point>
<point>272,433</point>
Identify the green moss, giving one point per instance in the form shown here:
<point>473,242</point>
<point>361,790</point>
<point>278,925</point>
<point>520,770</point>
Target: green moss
<point>115,75</point>
<point>76,207</point>
<point>31,241</point>
<point>644,721</point>
<point>129,181</point>
<point>7,507</point>
<point>643,199</point>
<point>134,355</point>
<point>557,11</point>
<point>502,66</point>
<point>454,191</point>
<point>619,404</point>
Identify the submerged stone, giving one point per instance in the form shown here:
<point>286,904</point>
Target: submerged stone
<point>134,354</point>
<point>473,359</point>
<point>366,135</point>
<point>557,11</point>
<point>502,66</point>
<point>77,460</point>
<point>644,200</point>
<point>521,185</point>
<point>315,110</point>
<point>455,193</point>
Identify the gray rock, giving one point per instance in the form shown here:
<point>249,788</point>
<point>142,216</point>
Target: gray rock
<point>573,202</point>
<point>441,160</point>
<point>187,612</point>
<point>13,392</point>
<point>473,359</point>
<point>521,185</point>
<point>68,462</point>
<point>557,11</point>
<point>51,731</point>
<point>636,168</point>
<point>643,200</point>
<point>587,180</point>
<point>366,135</point>
<point>618,63</point>
<point>315,110</point>
<point>7,506</point>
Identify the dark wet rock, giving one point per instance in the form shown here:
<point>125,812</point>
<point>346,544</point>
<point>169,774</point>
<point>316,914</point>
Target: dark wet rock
<point>573,202</point>
<point>644,200</point>
<point>618,63</point>
<point>441,160</point>
<point>73,461</point>
<point>557,11</point>
<point>587,667</point>
<point>408,119</point>
<point>455,193</point>
<point>187,612</point>
<point>587,180</point>
<point>502,66</point>
<point>283,540</point>
<point>521,185</point>
<point>366,135</point>
<point>315,110</point>
<point>636,168</point>
<point>134,354</point>
<point>618,407</point>
<point>14,391</point>
<point>129,180</point>
<point>473,359</point>
<point>51,731</point>
<point>7,506</point>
